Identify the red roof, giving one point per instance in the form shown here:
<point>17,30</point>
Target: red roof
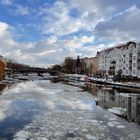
<point>120,46</point>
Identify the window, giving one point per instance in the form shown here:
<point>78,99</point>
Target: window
<point>134,64</point>
<point>133,71</point>
<point>134,57</point>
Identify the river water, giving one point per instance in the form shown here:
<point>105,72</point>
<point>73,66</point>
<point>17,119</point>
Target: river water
<point>42,110</point>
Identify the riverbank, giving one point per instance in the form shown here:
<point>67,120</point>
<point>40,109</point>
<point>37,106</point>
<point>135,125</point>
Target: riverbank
<point>84,78</point>
<point>109,82</point>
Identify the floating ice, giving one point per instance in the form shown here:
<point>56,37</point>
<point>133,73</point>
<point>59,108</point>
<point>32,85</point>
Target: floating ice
<point>111,124</point>
<point>65,112</point>
<point>120,126</point>
<point>91,137</point>
<point>23,135</point>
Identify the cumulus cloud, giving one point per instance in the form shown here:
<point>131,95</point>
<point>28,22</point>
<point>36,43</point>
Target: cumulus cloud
<point>10,48</point>
<point>94,11</point>
<point>58,20</point>
<point>6,38</point>
<point>41,53</point>
<point>91,13</point>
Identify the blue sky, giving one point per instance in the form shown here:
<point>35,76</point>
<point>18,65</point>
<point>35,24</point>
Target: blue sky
<point>44,32</point>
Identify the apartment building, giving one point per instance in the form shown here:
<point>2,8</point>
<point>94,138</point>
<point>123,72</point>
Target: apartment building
<point>124,58</point>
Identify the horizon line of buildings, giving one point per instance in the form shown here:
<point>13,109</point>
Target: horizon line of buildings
<point>124,58</point>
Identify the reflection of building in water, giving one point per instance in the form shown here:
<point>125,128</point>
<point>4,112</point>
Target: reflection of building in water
<point>124,101</point>
<point>94,90</point>
<point>130,102</point>
<point>2,87</point>
<point>106,97</point>
<point>135,107</point>
<point>8,73</point>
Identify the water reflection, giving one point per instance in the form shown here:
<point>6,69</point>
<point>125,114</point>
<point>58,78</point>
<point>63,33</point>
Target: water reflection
<point>16,115</point>
<point>123,102</point>
<point>2,87</point>
<point>20,103</point>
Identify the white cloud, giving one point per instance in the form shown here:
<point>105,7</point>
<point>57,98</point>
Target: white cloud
<point>45,52</point>
<point>6,2</point>
<point>109,21</point>
<point>3,27</point>
<point>58,20</point>
<point>20,10</point>
<point>85,39</point>
<point>6,36</point>
<point>5,106</point>
<point>123,27</point>
<point>91,51</point>
<point>41,53</point>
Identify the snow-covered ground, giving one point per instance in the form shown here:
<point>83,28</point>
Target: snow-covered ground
<point>117,110</point>
<point>109,81</point>
<point>55,111</point>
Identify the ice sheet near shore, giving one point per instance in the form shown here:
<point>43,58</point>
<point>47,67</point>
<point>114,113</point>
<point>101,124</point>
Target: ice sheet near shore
<point>69,114</point>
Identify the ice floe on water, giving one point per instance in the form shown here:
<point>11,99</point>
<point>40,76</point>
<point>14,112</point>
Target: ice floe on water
<point>63,125</point>
<point>68,125</point>
<point>60,112</point>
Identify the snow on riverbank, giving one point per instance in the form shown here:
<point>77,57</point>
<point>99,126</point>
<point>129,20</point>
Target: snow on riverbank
<point>117,110</point>
<point>103,80</point>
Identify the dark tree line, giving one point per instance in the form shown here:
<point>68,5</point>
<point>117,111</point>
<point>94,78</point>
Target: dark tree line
<point>70,66</point>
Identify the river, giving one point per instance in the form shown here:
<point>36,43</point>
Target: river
<point>42,110</point>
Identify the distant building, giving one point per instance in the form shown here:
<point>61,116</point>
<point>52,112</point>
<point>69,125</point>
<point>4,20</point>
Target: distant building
<point>90,64</point>
<point>2,67</point>
<point>124,57</point>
